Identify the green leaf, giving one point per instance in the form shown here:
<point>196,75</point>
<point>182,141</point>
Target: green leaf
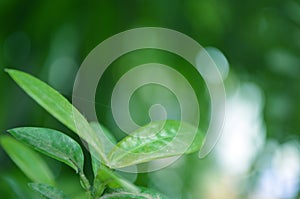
<point>108,140</point>
<point>59,107</point>
<point>52,143</point>
<point>156,140</point>
<point>47,191</point>
<point>144,194</point>
<point>96,164</point>
<point>105,176</point>
<point>27,160</point>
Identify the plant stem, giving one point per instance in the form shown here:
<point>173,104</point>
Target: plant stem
<point>84,181</point>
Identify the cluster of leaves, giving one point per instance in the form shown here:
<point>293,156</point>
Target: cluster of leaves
<point>106,153</point>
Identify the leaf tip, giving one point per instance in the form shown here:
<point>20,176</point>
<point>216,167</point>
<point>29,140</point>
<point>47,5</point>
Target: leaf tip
<point>8,70</point>
<point>11,132</point>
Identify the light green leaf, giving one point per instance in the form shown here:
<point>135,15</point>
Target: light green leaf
<point>47,191</point>
<point>108,140</point>
<point>96,164</point>
<point>105,176</point>
<point>156,140</point>
<point>144,194</point>
<point>52,143</point>
<point>59,107</point>
<point>27,160</point>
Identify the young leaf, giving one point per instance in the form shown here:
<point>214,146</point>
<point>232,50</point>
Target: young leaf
<point>27,160</point>
<point>144,194</point>
<point>47,191</point>
<point>156,140</point>
<point>59,107</point>
<point>108,177</point>
<point>52,143</point>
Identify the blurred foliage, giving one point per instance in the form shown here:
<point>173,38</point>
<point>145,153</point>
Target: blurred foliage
<point>50,39</point>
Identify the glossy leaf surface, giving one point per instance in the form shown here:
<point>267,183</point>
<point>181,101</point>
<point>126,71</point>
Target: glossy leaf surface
<point>156,140</point>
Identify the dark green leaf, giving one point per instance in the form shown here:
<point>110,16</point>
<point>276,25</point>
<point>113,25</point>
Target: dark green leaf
<point>27,160</point>
<point>52,143</point>
<point>47,191</point>
<point>156,140</point>
<point>59,107</point>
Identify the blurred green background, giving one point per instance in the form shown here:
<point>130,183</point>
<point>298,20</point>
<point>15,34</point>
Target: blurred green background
<point>258,155</point>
